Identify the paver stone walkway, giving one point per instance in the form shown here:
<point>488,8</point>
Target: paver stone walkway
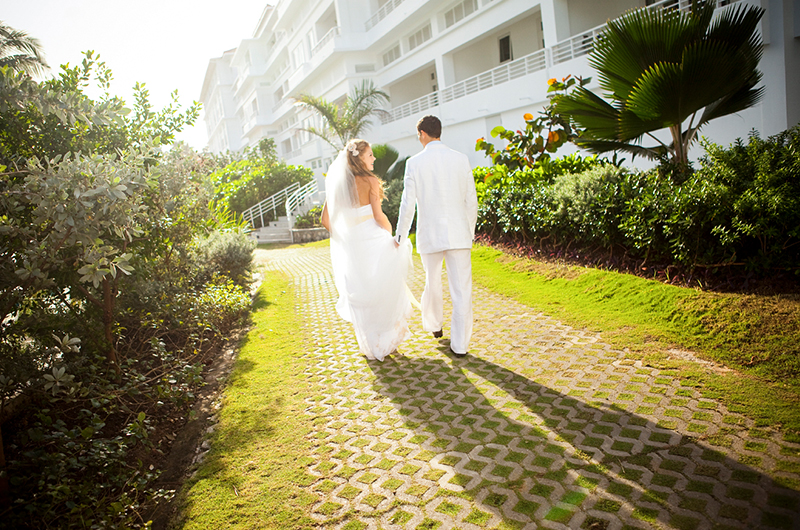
<point>541,426</point>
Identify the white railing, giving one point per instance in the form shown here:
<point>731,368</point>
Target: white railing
<point>298,198</point>
<point>572,48</point>
<point>269,205</point>
<point>577,46</point>
<point>412,107</point>
<point>523,66</point>
<point>583,43</point>
<point>281,103</point>
<point>381,13</point>
<point>334,31</point>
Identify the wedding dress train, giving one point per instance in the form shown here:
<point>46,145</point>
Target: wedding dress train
<point>370,274</point>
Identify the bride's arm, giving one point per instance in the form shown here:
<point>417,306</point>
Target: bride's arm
<point>375,201</point>
<point>325,220</point>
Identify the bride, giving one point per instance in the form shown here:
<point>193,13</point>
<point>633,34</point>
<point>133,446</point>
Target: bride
<point>369,269</point>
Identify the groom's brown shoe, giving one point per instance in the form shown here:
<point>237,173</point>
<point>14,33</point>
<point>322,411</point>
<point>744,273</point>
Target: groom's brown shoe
<point>438,334</point>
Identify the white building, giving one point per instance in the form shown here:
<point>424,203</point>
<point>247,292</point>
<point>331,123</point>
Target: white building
<point>474,63</point>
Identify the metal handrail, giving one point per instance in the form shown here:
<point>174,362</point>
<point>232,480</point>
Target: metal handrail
<point>270,204</point>
<point>298,198</point>
<point>381,13</point>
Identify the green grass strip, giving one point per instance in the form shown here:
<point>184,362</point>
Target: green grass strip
<point>254,473</point>
<point>757,336</point>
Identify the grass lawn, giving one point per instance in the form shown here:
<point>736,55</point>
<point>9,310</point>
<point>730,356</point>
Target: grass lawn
<point>252,476</point>
<point>758,337</point>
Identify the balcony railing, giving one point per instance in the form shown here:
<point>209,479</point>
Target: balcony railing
<point>502,74</point>
<point>572,48</point>
<point>381,13</point>
<point>583,43</point>
<point>279,104</point>
<point>412,107</point>
<point>334,31</point>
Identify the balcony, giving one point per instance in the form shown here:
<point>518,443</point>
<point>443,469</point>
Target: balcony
<point>523,66</point>
<point>296,153</point>
<point>329,36</point>
<point>412,107</point>
<point>573,48</point>
<point>381,13</point>
<point>583,43</point>
<point>284,101</point>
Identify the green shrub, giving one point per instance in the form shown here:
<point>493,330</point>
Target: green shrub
<point>759,215</point>
<point>225,252</point>
<point>742,206</point>
<point>310,219</point>
<point>585,206</point>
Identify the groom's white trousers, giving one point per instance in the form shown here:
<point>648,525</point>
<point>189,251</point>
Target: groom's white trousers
<point>459,278</point>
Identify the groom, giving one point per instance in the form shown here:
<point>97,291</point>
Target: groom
<point>439,184</point>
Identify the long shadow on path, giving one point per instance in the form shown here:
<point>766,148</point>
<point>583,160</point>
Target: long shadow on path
<point>521,450</point>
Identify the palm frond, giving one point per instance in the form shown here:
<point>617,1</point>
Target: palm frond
<point>660,67</point>
<point>605,146</point>
<point>590,111</point>
<point>21,52</point>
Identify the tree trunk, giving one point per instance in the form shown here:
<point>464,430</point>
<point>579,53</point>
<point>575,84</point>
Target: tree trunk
<point>4,489</point>
<point>109,299</point>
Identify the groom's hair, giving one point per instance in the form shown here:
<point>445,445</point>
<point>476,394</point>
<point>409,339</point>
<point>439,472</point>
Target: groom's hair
<point>430,125</point>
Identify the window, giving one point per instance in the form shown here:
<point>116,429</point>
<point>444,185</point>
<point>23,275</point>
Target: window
<point>298,57</point>
<point>461,10</point>
<point>392,55</point>
<point>419,37</point>
<point>505,49</point>
<point>254,108</point>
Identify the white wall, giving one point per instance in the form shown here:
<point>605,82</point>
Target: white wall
<point>412,87</point>
<point>587,14</point>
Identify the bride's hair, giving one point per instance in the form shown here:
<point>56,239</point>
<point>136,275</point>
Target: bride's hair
<point>355,148</point>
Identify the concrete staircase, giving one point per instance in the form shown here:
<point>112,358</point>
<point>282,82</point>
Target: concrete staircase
<point>277,231</point>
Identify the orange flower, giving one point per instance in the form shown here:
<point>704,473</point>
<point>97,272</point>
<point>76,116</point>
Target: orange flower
<point>551,81</point>
<point>527,116</point>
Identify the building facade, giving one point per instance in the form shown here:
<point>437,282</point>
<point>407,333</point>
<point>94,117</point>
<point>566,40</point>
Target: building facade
<point>474,63</point>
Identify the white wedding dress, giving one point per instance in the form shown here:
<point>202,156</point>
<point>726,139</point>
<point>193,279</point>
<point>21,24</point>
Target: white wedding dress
<point>370,271</point>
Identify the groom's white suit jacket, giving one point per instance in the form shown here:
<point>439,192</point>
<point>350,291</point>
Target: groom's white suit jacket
<point>439,183</point>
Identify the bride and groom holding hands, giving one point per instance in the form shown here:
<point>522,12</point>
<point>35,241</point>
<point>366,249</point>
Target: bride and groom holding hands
<point>371,267</point>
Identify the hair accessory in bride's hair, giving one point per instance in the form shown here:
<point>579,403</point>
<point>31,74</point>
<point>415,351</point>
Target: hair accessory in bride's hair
<point>353,149</point>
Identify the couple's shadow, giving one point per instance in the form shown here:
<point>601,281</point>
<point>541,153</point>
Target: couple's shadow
<point>506,435</point>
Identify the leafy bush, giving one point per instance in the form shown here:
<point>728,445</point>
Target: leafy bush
<point>542,136</point>
<point>244,183</point>
<point>98,236</point>
<point>586,206</point>
<point>310,219</point>
<point>742,207</point>
<point>225,252</point>
<point>393,188</point>
<point>759,215</point>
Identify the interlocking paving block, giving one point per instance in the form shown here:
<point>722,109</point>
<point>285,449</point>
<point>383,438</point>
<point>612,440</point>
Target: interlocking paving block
<point>541,426</point>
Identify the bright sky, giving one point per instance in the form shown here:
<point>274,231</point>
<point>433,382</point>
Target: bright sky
<point>165,44</point>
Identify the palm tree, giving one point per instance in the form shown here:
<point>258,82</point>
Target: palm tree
<point>349,121</point>
<point>20,52</point>
<point>661,68</point>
